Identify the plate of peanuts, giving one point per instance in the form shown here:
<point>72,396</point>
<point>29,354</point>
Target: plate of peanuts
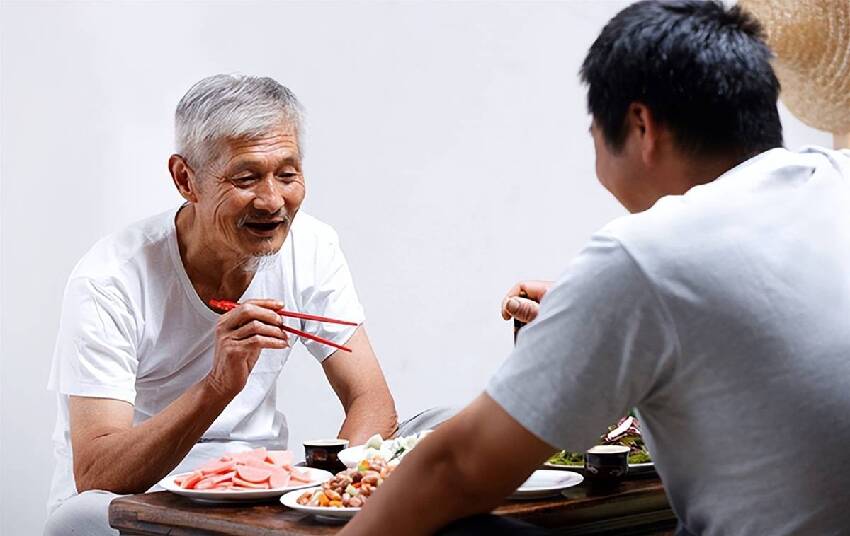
<point>343,495</point>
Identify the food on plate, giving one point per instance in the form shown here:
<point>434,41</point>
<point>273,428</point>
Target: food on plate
<point>352,487</point>
<point>392,449</point>
<point>626,432</point>
<point>254,469</point>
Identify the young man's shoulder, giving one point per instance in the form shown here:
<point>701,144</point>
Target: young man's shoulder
<point>746,193</point>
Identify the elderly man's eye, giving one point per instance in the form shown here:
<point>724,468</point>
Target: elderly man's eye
<point>244,181</point>
<point>287,177</point>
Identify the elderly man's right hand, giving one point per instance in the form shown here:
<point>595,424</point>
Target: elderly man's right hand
<point>240,336</point>
<point>521,301</point>
<point>112,453</point>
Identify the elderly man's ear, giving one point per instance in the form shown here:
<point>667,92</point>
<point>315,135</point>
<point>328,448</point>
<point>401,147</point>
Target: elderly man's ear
<point>181,175</point>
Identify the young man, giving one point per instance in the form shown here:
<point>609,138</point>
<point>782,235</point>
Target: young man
<point>718,308</point>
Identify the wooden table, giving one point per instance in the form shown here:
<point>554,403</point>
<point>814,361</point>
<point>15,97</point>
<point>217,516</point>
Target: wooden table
<point>636,507</point>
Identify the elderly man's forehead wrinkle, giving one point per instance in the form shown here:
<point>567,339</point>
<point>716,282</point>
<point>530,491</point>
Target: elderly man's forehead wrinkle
<point>262,151</point>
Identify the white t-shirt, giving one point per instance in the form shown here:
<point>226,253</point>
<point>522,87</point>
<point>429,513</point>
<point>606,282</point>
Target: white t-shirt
<point>723,315</point>
<point>133,328</point>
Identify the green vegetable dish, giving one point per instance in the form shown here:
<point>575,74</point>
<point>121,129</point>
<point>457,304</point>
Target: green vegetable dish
<point>626,432</point>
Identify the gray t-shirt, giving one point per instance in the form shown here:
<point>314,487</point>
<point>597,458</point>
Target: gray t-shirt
<point>723,315</point>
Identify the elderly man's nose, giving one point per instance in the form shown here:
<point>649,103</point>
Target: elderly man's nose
<point>268,196</point>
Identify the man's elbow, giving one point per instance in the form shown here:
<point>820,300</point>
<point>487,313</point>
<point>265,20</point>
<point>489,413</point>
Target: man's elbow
<point>389,415</point>
<point>88,477</point>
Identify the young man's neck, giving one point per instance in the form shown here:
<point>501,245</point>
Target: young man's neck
<point>679,175</point>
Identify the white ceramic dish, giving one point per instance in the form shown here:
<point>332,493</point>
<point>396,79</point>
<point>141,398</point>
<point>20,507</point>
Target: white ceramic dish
<point>317,476</point>
<point>352,455</point>
<point>290,500</point>
<point>546,483</point>
<point>389,449</point>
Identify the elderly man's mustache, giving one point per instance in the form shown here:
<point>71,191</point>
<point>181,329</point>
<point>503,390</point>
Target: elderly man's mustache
<point>264,218</point>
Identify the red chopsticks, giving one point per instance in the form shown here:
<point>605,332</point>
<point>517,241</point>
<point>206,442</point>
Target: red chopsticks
<point>225,305</point>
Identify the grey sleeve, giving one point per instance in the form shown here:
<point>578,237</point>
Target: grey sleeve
<point>600,344</point>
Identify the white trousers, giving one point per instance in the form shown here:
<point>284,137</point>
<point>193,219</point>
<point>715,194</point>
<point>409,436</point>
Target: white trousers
<point>86,514</point>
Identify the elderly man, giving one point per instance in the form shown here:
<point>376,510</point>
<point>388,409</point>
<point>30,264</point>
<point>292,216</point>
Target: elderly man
<point>719,307</point>
<point>150,379</point>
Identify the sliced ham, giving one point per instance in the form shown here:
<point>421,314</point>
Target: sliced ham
<point>253,469</point>
<point>280,457</point>
<point>253,462</point>
<point>192,479</point>
<point>256,454</point>
<point>246,484</point>
<point>253,474</point>
<point>217,466</point>
<point>279,478</point>
<point>300,475</point>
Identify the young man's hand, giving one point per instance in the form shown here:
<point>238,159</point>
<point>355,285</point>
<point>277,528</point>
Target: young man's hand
<point>521,301</point>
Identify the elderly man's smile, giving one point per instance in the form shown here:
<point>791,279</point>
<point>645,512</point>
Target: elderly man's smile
<point>264,228</point>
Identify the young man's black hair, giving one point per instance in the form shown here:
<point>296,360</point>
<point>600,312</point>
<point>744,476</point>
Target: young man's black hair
<point>702,69</point>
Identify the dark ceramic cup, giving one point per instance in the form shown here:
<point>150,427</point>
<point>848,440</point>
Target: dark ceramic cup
<point>606,465</point>
<point>324,454</point>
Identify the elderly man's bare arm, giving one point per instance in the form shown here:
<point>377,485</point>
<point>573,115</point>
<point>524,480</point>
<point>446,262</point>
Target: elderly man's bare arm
<point>112,454</point>
<point>357,380</point>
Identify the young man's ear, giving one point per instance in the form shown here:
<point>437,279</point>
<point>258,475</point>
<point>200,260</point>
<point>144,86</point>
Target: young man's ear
<point>642,123</point>
<point>181,174</point>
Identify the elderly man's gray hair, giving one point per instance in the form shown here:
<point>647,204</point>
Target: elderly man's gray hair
<point>227,106</point>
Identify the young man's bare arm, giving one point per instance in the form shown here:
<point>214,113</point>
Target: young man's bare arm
<point>467,466</point>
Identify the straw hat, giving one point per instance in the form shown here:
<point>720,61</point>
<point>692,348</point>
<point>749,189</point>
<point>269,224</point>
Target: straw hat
<point>811,41</point>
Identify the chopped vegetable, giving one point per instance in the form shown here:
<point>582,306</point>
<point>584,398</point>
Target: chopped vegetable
<point>626,432</point>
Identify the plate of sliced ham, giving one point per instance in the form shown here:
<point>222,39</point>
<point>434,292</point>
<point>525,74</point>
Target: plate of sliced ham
<point>245,476</point>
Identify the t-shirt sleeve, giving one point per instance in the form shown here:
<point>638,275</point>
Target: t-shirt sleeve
<point>332,295</point>
<point>601,343</point>
<point>95,352</point>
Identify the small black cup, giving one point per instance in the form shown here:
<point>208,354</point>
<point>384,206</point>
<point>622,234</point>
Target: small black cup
<point>605,466</point>
<point>324,454</point>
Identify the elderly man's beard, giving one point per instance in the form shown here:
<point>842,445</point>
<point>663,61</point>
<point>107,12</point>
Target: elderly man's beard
<point>265,259</point>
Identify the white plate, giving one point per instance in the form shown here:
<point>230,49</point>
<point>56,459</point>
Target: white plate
<point>228,495</point>
<point>352,455</point>
<point>546,483</point>
<point>290,500</point>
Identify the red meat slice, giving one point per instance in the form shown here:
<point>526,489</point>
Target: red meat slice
<point>206,483</point>
<point>253,462</point>
<point>301,475</point>
<point>192,479</point>
<point>238,482</point>
<point>217,481</point>
<point>280,457</point>
<point>217,466</point>
<point>226,477</point>
<point>256,454</point>
<point>279,478</point>
<point>252,474</point>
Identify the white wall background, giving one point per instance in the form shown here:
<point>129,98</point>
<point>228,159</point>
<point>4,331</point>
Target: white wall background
<point>447,143</point>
